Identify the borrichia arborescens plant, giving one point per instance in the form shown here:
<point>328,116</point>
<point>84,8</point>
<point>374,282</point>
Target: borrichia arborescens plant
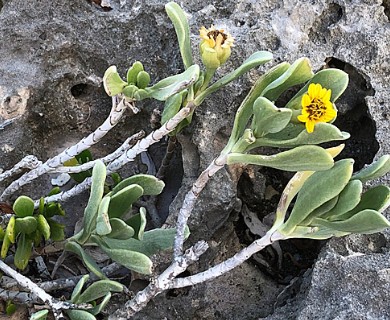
<point>329,198</point>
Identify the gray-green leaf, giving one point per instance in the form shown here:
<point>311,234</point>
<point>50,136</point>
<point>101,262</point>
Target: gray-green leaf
<point>169,86</point>
<point>245,110</point>
<point>99,289</point>
<point>267,118</point>
<point>179,20</point>
<point>364,222</point>
<point>87,259</point>
<point>303,158</point>
<point>299,72</point>
<point>151,185</point>
<point>374,170</point>
<point>256,59</point>
<point>318,189</point>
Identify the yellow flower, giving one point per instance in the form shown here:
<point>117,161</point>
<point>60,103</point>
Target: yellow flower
<point>316,106</point>
<point>215,47</point>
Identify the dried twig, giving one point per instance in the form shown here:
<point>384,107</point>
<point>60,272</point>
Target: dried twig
<point>115,115</point>
<point>172,141</point>
<point>71,282</point>
<point>26,283</point>
<point>161,283</point>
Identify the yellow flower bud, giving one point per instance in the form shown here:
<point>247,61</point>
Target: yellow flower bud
<point>215,47</point>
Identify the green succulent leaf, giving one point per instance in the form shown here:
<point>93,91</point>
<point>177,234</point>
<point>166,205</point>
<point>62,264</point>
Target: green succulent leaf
<point>23,206</point>
<point>376,198</point>
<point>245,110</point>
<point>348,199</point>
<point>333,79</point>
<point>78,288</point>
<point>87,259</point>
<point>120,230</point>
<point>151,185</point>
<point>172,106</point>
<point>39,315</point>
<point>256,59</point>
<point>99,289</point>
<point>56,230</point>
<point>103,226</point>
<point>316,233</point>
<point>79,315</point>
<point>138,223</point>
<point>299,72</point>
<point>122,201</point>
<point>133,71</point>
<point>10,231</point>
<point>267,118</point>
<point>2,234</point>
<point>97,190</point>
<point>143,79</point>
<point>26,225</point>
<point>5,246</point>
<point>318,189</point>
<point>154,241</point>
<point>169,86</point>
<point>130,90</point>
<point>375,170</point>
<point>179,20</point>
<point>303,158</point>
<point>112,82</point>
<point>99,308</point>
<point>53,209</point>
<point>364,222</point>
<point>23,251</point>
<point>320,211</point>
<point>295,135</point>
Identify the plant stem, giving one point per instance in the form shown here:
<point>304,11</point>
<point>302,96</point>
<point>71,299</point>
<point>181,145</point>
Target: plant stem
<point>190,199</point>
<point>129,155</point>
<point>229,264</point>
<point>115,115</point>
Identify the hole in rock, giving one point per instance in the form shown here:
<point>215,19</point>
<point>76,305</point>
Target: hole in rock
<point>260,190</point>
<point>386,5</point>
<point>354,116</point>
<point>1,5</point>
<point>80,90</point>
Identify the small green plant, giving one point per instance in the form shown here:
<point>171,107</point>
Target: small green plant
<point>107,223</point>
<point>30,226</point>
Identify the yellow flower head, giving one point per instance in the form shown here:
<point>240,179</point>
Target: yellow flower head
<point>316,106</point>
<point>215,47</point>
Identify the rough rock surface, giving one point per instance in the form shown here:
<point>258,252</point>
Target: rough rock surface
<point>53,54</point>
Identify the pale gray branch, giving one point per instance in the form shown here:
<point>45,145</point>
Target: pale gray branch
<point>228,264</point>
<point>140,146</point>
<point>28,162</point>
<point>107,159</point>
<point>115,115</point>
<point>190,199</point>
